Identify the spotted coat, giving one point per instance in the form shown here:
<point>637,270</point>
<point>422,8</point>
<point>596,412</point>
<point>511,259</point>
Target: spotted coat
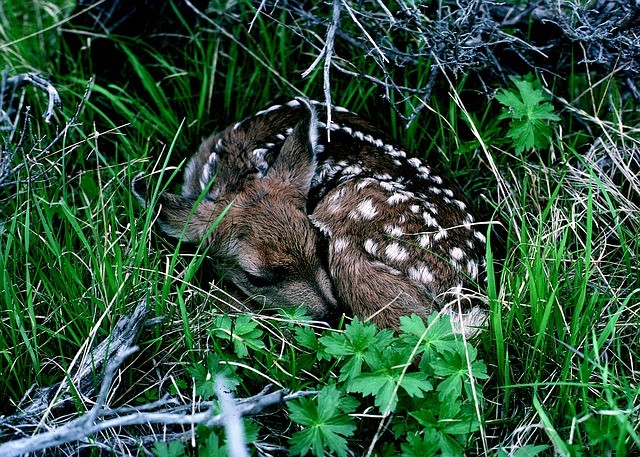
<point>402,237</point>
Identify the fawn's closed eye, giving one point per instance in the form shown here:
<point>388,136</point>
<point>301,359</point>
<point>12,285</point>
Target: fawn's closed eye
<point>262,281</point>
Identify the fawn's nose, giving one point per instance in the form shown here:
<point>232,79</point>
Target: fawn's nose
<point>315,292</point>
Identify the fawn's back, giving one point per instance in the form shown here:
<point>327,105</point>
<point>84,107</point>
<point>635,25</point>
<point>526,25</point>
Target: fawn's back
<point>395,236</point>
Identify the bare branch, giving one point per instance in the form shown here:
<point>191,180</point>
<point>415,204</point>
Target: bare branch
<point>9,88</point>
<point>35,157</point>
<point>489,38</point>
<point>232,420</point>
<point>106,359</point>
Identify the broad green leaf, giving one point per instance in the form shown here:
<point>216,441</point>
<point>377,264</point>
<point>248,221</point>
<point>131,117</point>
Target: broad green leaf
<point>243,332</point>
<point>205,376</point>
<point>388,376</point>
<point>435,338</point>
<point>212,447</point>
<point>421,446</point>
<point>326,420</point>
<point>357,340</point>
<point>530,115</point>
<point>309,340</point>
<point>172,449</point>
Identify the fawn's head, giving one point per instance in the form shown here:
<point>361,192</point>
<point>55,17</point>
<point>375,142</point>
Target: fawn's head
<point>258,230</point>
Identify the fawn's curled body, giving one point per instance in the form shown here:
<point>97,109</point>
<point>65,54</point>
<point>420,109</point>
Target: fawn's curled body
<point>394,237</point>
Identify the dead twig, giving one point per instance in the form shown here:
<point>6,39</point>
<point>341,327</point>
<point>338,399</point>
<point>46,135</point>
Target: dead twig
<point>9,88</point>
<point>34,158</point>
<point>105,360</point>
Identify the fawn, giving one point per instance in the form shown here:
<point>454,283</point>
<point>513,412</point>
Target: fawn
<point>350,224</point>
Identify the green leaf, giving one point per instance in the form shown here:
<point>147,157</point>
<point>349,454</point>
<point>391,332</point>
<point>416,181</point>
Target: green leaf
<point>388,376</point>
<point>530,115</point>
<point>435,338</point>
<point>243,332</point>
<point>205,376</point>
<point>297,314</point>
<point>212,447</point>
<point>357,340</point>
<point>455,370</point>
<point>172,449</point>
<point>447,421</point>
<point>421,446</point>
<point>306,337</point>
<point>327,423</point>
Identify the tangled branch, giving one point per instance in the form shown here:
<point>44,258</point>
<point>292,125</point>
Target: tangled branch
<point>35,158</point>
<point>462,37</point>
<point>21,432</point>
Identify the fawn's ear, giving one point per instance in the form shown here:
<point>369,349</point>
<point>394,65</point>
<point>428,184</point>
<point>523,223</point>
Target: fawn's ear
<point>139,189</point>
<point>178,216</point>
<point>296,163</point>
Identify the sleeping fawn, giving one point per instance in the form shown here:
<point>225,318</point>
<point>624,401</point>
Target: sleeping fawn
<point>348,223</point>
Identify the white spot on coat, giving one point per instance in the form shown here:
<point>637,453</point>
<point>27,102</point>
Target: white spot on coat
<point>457,253</point>
<point>396,253</point>
<point>371,246</point>
<point>472,269</point>
<point>441,235</point>
<point>268,110</point>
<point>365,209</point>
<point>460,205</point>
<point>388,186</point>
<point>393,230</point>
<point>352,170</point>
<point>429,220</point>
<point>397,198</point>
<point>324,228</point>
<point>339,245</point>
<point>424,240</point>
<point>364,183</point>
<point>260,152</point>
<point>420,273</point>
<point>480,236</point>
<point>393,152</point>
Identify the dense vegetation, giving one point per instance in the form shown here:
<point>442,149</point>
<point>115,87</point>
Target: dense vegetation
<point>546,140</point>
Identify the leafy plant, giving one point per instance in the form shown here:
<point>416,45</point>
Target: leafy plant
<point>171,449</point>
<point>243,332</point>
<point>422,375</point>
<point>326,423</point>
<point>205,376</point>
<point>529,112</point>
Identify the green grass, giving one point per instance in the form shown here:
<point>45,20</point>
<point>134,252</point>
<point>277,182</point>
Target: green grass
<point>77,252</point>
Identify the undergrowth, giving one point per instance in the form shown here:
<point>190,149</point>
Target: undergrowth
<point>553,161</point>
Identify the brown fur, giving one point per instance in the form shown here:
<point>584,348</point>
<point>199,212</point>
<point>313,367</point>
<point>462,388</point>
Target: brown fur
<point>401,238</point>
